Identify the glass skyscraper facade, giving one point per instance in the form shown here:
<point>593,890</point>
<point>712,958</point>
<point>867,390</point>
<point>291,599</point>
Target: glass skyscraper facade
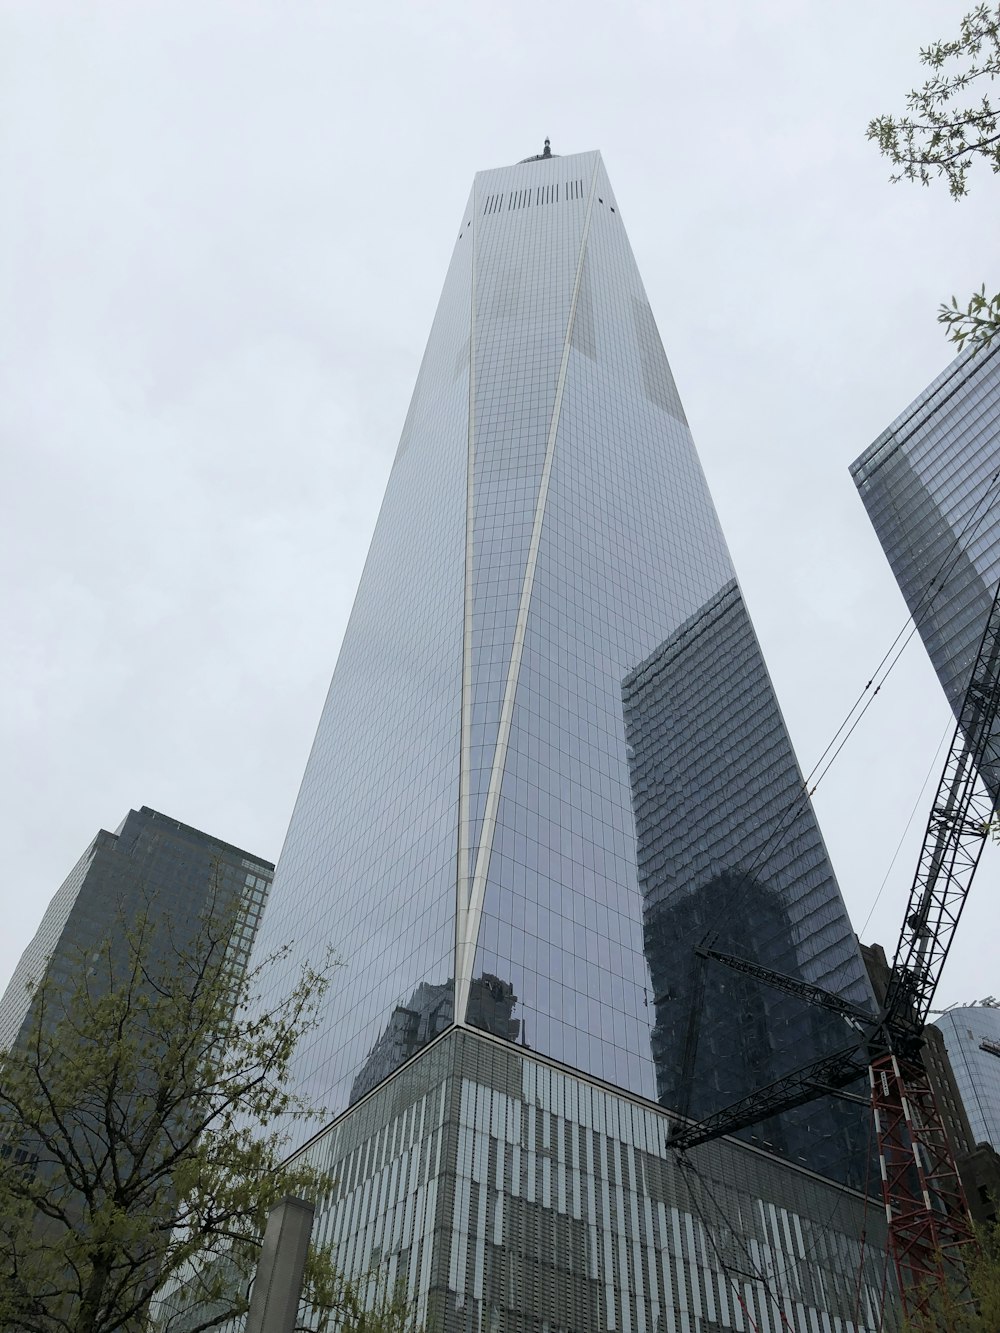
<point>550,765</point>
<point>551,758</point>
<point>728,853</point>
<point>153,864</point>
<point>503,1194</point>
<point>931,486</point>
<point>130,915</point>
<point>972,1039</point>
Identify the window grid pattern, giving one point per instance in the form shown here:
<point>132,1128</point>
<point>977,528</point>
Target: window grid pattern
<point>931,488</point>
<point>368,865</point>
<point>153,864</point>
<point>524,284</point>
<point>630,548</point>
<point>629,545</point>
<point>709,755</point>
<point>618,548</point>
<point>972,1040</point>
<point>504,1194</point>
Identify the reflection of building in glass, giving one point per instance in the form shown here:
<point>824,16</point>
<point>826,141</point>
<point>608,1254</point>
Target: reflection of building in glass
<point>729,852</point>
<point>506,1193</point>
<point>429,1013</point>
<point>931,486</point>
<point>467,809</point>
<point>733,1056</point>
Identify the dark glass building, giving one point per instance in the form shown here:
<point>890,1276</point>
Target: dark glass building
<point>165,879</point>
<point>549,762</point>
<point>152,861</point>
<point>931,486</point>
<point>728,852</point>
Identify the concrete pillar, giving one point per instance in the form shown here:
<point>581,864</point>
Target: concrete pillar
<point>274,1300</point>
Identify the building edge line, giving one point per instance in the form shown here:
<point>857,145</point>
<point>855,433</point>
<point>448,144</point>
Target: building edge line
<point>463,851</point>
<point>600,1085</point>
<point>484,852</point>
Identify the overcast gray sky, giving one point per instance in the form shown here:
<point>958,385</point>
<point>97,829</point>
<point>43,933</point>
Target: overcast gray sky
<point>223,232</point>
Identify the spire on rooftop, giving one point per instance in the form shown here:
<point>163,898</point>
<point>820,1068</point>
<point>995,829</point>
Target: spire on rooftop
<point>545,153</point>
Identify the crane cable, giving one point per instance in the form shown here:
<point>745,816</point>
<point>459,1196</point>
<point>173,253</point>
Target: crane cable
<point>820,769</point>
<point>930,592</point>
<point>723,1265</point>
<point>934,764</point>
<point>685,1162</point>
<point>815,776</point>
<point>864,1220</point>
<point>809,1249</point>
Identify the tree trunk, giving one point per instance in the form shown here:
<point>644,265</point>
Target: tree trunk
<point>88,1316</point>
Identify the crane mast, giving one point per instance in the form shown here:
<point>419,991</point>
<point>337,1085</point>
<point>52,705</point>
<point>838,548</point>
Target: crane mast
<point>926,1212</point>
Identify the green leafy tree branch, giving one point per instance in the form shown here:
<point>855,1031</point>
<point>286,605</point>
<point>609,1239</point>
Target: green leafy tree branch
<point>950,1310</point>
<point>143,1141</point>
<point>942,134</point>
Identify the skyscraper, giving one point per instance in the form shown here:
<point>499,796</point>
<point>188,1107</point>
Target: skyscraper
<point>550,762</point>
<point>931,486</point>
<point>152,862</point>
<point>93,1110</point>
<point>972,1039</point>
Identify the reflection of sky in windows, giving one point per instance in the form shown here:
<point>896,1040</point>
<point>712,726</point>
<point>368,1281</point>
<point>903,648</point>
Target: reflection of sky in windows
<point>592,540</point>
<point>931,489</point>
<point>977,1070</point>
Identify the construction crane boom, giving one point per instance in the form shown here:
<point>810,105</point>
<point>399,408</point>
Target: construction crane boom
<point>957,830</point>
<point>925,1208</point>
<point>805,990</point>
<point>829,1074</point>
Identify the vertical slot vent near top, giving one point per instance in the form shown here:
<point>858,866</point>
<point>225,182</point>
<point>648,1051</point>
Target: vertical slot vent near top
<point>547,194</point>
<point>538,194</point>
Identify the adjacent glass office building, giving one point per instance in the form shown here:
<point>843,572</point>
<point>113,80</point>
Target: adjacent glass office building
<point>550,763</point>
<point>972,1039</point>
<point>153,864</point>
<point>728,853</point>
<point>931,486</point>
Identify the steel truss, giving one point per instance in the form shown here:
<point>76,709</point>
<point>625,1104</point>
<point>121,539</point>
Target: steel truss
<point>957,830</point>
<point>927,1215</point>
<point>925,1207</point>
